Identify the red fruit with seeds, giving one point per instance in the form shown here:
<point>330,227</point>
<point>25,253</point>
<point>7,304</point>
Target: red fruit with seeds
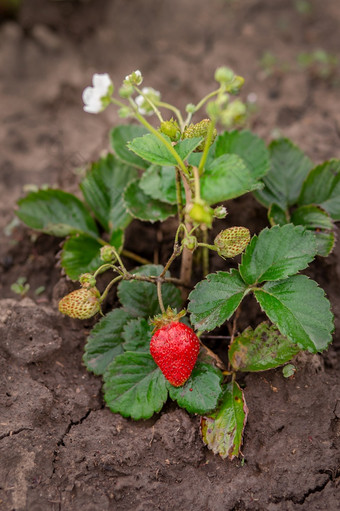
<point>174,347</point>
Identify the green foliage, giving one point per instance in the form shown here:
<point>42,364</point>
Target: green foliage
<point>215,299</point>
<point>56,212</point>
<point>144,207</point>
<point>260,349</point>
<point>201,392</point>
<point>222,431</point>
<point>300,310</point>
<point>134,386</point>
<point>140,298</point>
<point>277,253</point>
<point>120,136</point>
<point>159,183</point>
<point>152,149</point>
<point>292,183</point>
<point>103,188</point>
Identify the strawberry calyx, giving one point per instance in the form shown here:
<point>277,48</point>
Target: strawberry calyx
<point>167,317</point>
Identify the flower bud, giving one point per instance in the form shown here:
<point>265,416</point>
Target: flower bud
<point>126,91</point>
<point>235,113</point>
<point>81,304</point>
<point>107,253</point>
<point>124,112</point>
<point>220,212</point>
<point>236,85</point>
<point>224,75</point>
<point>232,241</point>
<point>135,78</point>
<point>190,242</point>
<point>87,280</point>
<point>199,130</point>
<point>200,213</point>
<point>190,108</point>
<point>171,129</point>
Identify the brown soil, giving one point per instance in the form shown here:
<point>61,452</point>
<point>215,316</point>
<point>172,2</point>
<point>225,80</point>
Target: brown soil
<point>61,449</point>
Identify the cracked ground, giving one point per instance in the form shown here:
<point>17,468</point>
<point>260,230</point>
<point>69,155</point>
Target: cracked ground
<point>60,448</point>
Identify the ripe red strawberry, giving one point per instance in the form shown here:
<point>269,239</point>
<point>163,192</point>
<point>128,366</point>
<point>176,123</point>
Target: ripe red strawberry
<point>174,347</point>
<point>81,303</point>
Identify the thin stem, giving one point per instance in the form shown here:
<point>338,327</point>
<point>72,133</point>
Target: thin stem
<point>186,264</point>
<point>159,296</point>
<point>167,144</point>
<point>207,145</point>
<point>162,104</point>
<point>103,267</point>
<point>179,198</point>
<point>135,257</point>
<point>210,247</point>
<point>205,253</point>
<point>117,102</point>
<point>151,103</point>
<point>197,184</point>
<point>108,287</point>
<point>176,252</point>
<point>201,103</point>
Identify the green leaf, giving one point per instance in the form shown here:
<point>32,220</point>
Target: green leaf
<point>145,208</point>
<point>201,393</point>
<point>277,215</point>
<point>322,187</point>
<point>277,253</point>
<point>226,178</point>
<point>103,187</point>
<point>260,349</point>
<point>320,223</point>
<point>152,149</point>
<point>117,239</point>
<point>222,431</point>
<point>160,183</point>
<point>56,212</point>
<point>105,341</point>
<point>215,299</point>
<point>140,298</point>
<point>195,158</point>
<point>119,138</point>
<point>80,254</point>
<point>289,168</point>
<point>137,335</point>
<point>247,146</point>
<point>300,310</point>
<point>134,386</point>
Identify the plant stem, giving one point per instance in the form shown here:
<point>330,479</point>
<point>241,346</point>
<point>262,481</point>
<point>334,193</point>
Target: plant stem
<point>162,104</point>
<point>108,287</point>
<point>135,257</point>
<point>179,197</point>
<point>167,144</point>
<point>187,255</point>
<point>205,252</point>
<point>151,103</point>
<point>201,103</point>
<point>159,296</point>
<point>210,247</point>
<point>207,145</point>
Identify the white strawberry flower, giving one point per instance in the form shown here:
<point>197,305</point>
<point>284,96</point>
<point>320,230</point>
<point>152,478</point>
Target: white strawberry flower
<point>143,105</point>
<point>97,98</point>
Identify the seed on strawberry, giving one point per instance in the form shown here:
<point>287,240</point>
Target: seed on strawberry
<point>81,304</point>
<point>174,347</point>
<point>232,241</point>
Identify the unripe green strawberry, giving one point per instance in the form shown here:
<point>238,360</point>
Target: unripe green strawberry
<point>200,212</point>
<point>174,347</point>
<point>232,241</point>
<point>81,303</point>
<point>171,129</point>
<point>199,130</point>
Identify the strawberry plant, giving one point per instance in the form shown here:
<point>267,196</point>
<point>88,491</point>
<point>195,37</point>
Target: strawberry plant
<point>151,347</point>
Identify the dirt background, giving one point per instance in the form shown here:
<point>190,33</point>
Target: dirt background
<point>60,448</point>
